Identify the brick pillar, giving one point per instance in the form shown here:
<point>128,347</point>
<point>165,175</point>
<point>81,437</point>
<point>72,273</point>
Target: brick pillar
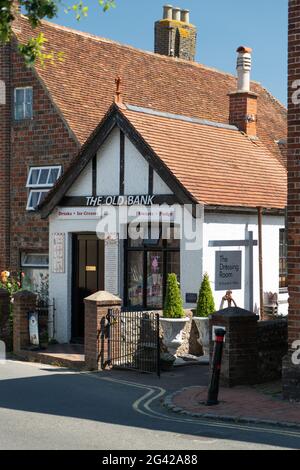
<point>24,302</point>
<point>4,317</point>
<point>291,372</point>
<point>239,365</point>
<point>96,343</point>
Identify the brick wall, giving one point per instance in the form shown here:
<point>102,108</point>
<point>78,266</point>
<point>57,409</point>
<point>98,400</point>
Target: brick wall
<point>294,173</point>
<point>241,106</point>
<point>291,372</point>
<point>44,140</point>
<point>175,38</point>
<point>5,112</point>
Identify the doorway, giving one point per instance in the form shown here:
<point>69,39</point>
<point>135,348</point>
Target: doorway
<point>88,277</point>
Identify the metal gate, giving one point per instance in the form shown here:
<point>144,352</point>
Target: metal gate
<point>133,341</point>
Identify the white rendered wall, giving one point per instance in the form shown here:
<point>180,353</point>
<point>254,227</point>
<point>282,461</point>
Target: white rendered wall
<point>108,166</point>
<point>236,227</point>
<point>136,170</point>
<point>84,184</point>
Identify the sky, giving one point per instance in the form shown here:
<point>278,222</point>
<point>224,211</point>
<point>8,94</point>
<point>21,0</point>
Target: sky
<point>223,25</point>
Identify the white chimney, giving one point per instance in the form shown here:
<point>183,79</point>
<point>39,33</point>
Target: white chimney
<point>244,62</point>
<point>168,12</point>
<point>185,16</point>
<point>177,14</point>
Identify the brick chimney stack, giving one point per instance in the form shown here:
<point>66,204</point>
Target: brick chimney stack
<point>243,102</point>
<point>175,36</point>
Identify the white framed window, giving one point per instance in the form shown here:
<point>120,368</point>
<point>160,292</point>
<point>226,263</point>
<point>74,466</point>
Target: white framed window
<point>35,268</point>
<point>23,103</point>
<point>40,180</point>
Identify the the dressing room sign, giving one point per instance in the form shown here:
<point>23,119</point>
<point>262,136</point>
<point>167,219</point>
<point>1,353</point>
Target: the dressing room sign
<point>228,270</point>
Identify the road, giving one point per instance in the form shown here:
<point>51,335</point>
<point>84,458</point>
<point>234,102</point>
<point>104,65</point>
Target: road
<point>43,407</point>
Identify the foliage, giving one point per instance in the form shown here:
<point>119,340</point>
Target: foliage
<point>206,303</point>
<point>173,307</point>
<point>9,282</point>
<point>35,11</point>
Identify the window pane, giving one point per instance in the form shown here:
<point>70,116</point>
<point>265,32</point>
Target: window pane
<point>36,280</point>
<point>19,96</point>
<point>135,279</point>
<point>19,112</point>
<point>34,259</point>
<point>53,175</point>
<point>28,103</point>
<point>34,176</point>
<point>33,199</point>
<point>173,264</point>
<point>44,176</point>
<point>155,280</point>
<point>42,196</point>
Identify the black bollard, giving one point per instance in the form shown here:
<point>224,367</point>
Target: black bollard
<point>213,391</point>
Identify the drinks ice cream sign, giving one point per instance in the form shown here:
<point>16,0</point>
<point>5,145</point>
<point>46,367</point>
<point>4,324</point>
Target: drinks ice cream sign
<point>228,270</point>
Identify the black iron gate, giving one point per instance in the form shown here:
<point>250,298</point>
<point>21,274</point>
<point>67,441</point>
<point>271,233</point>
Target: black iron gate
<point>133,341</point>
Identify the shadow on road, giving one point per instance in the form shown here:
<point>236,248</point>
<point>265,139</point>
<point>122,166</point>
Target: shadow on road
<point>60,393</point>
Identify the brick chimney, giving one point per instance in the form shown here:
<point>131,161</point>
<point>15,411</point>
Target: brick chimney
<point>243,102</point>
<point>175,36</point>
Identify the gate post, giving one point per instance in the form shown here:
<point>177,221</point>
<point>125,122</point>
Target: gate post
<point>24,302</point>
<point>95,324</point>
<point>5,332</point>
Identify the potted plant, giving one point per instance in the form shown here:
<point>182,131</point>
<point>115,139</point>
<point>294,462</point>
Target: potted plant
<point>174,318</point>
<point>205,308</point>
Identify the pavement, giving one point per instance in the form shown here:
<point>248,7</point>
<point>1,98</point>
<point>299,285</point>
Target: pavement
<point>258,405</point>
<point>46,407</point>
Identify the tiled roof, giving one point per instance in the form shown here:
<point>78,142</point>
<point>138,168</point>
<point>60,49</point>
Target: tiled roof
<point>83,85</point>
<point>217,165</point>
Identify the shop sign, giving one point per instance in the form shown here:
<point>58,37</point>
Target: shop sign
<point>228,270</point>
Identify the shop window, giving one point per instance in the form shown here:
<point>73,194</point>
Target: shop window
<point>283,274</point>
<point>39,181</point>
<point>148,263</point>
<point>23,103</point>
<point>35,269</point>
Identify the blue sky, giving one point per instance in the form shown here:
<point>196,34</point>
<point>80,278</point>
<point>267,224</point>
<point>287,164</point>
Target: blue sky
<point>223,25</point>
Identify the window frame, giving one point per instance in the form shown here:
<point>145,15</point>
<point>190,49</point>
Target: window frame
<point>24,117</point>
<point>30,265</point>
<point>283,256</point>
<point>145,249</point>
<point>40,168</point>
<point>40,187</point>
<point>40,190</point>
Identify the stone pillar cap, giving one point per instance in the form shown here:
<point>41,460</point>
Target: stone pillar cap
<point>24,293</point>
<point>234,312</point>
<point>104,298</point>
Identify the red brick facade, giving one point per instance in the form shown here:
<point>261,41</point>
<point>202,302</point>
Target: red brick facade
<point>291,371</point>
<point>5,113</point>
<point>294,172</point>
<point>43,140</point>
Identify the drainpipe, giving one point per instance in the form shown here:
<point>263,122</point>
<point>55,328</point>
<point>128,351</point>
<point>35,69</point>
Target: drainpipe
<point>260,257</point>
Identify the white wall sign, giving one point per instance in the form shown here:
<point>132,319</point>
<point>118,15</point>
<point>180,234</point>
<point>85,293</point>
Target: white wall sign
<point>77,213</point>
<point>228,270</point>
<point>58,260</point>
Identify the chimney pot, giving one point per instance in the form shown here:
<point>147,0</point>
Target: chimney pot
<point>177,14</point>
<point>185,16</point>
<point>168,12</point>
<point>244,65</point>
